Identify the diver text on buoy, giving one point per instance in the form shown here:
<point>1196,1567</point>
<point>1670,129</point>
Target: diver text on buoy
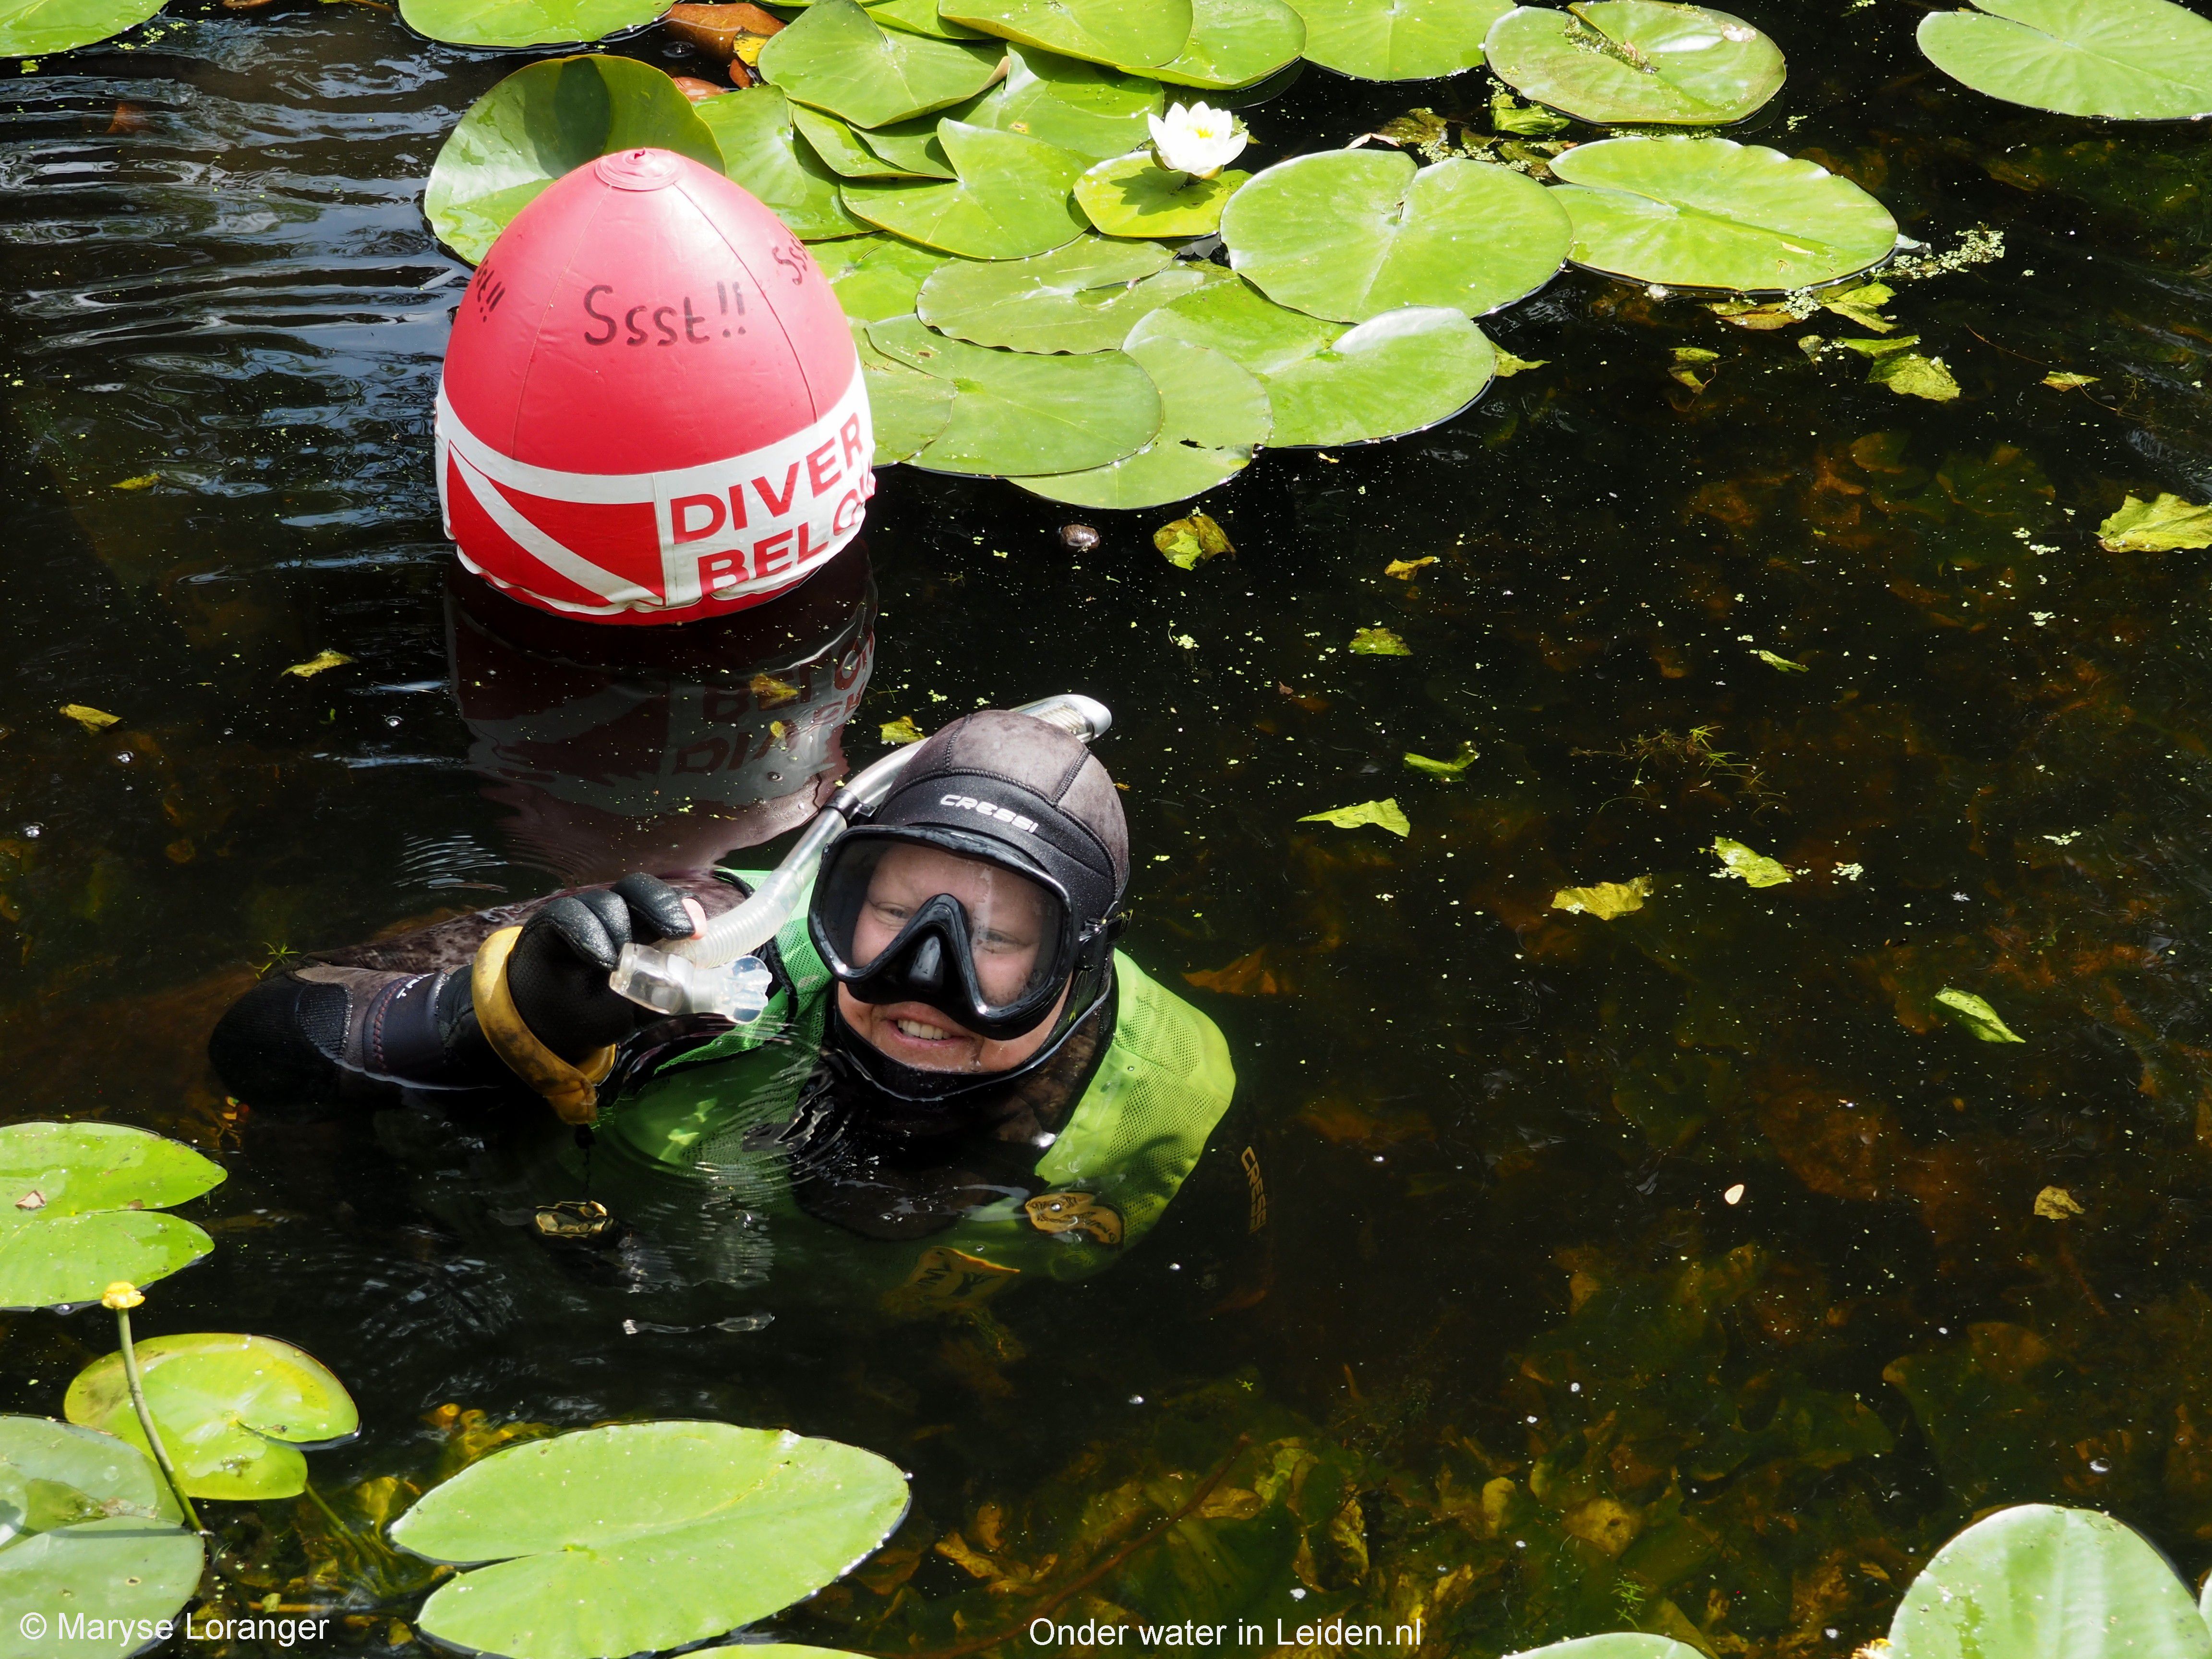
<point>652,409</point>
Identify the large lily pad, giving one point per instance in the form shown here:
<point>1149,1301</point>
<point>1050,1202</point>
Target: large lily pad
<point>234,1411</point>
<point>1088,109</point>
<point>877,276</point>
<point>919,17</point>
<point>644,1535</point>
<point>838,57</point>
<point>1084,297</point>
<point>1235,43</point>
<point>539,124</point>
<point>34,27</point>
<point>1624,1644</point>
<point>514,23</point>
<point>1018,414</point>
<point>1214,414</point>
<point>1398,39</point>
<point>78,1205</point>
<point>1636,60</point>
<point>1404,371</point>
<point>1350,234</point>
<point>1011,199</point>
<point>838,147</point>
<point>754,131</point>
<point>2037,1581</point>
<point>1137,33</point>
<point>87,1525</point>
<point>1710,213</point>
<point>1133,195</point>
<point>2132,60</point>
<point>908,409</point>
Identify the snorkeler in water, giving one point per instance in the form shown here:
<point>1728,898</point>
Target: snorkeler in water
<point>955,1059</point>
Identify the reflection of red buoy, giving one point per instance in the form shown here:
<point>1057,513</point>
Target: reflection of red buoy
<point>652,409</point>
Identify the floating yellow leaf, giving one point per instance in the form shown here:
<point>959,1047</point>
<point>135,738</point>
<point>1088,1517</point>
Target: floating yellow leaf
<point>1383,814</point>
<point>320,661</point>
<point>143,481</point>
<point>1781,663</point>
<point>2068,382</point>
<point>1508,365</point>
<point>1403,569</point>
<point>2055,1204</point>
<point>1741,313</point>
<point>771,692</point>
<point>1606,900</point>
<point>901,730</point>
<point>1378,642</point>
<point>2157,526</point>
<point>1753,869</point>
<point>91,718</point>
<point>1187,541</point>
<point>1450,769</point>
<point>1965,1009</point>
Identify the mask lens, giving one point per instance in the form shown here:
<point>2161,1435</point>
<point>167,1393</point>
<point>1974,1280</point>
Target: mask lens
<point>1013,925</point>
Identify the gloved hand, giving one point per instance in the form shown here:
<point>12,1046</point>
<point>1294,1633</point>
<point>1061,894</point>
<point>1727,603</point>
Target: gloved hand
<point>557,974</point>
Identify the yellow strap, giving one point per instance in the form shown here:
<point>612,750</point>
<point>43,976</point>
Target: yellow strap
<point>572,1091</point>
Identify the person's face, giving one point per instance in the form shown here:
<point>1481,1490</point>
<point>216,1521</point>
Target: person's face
<point>1009,918</point>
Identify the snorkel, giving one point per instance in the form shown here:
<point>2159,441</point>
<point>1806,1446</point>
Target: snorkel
<point>715,972</point>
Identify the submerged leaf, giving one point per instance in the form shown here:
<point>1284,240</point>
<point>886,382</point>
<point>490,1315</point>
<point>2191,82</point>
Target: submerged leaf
<point>1187,541</point>
<point>1383,814</point>
<point>143,481</point>
<point>1911,376</point>
<point>2067,382</point>
<point>320,661</point>
<point>1783,663</point>
<point>1753,869</point>
<point>2057,1204</point>
<point>902,730</point>
<point>1964,1009</point>
<point>1403,569</point>
<point>93,719</point>
<point>1451,769</point>
<point>1378,642</point>
<point>1863,305</point>
<point>2156,527</point>
<point>1606,900</point>
<point>1508,365</point>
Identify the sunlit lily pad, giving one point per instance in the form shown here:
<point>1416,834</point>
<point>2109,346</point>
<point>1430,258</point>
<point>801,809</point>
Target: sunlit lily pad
<point>919,17</point>
<point>1213,415</point>
<point>908,409</point>
<point>644,1536</point>
<point>539,124</point>
<point>1137,33</point>
<point>1084,297</point>
<point>912,148</point>
<point>514,23</point>
<point>1404,371</point>
<point>1133,195</point>
<point>838,147</point>
<point>1350,234</point>
<point>1398,39</point>
<point>877,276</point>
<point>1235,43</point>
<point>234,1411</point>
<point>78,1210</point>
<point>1624,1644</point>
<point>1710,213</point>
<point>1094,111</point>
<point>86,1526</point>
<point>2132,60</point>
<point>1636,61</point>
<point>2037,1581</point>
<point>1010,201</point>
<point>754,131</point>
<point>34,27</point>
<point>839,58</point>
<point>1019,414</point>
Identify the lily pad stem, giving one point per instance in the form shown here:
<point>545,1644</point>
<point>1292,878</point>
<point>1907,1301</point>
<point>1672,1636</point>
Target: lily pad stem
<point>146,1419</point>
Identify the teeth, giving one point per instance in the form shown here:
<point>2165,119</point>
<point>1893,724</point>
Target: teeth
<point>915,1028</point>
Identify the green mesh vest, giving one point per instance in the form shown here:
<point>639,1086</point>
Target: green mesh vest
<point>1156,1092</point>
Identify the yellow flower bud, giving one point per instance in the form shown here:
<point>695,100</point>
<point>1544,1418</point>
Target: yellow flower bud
<point>120,1295</point>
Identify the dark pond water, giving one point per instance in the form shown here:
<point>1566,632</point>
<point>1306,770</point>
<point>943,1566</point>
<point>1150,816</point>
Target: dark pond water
<point>1521,1368</point>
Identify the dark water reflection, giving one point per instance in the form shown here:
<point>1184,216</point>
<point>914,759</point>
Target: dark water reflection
<point>1521,1368</point>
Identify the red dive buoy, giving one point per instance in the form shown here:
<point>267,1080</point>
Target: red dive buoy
<point>652,409</point>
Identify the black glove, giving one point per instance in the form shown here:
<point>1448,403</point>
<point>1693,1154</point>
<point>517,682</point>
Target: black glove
<point>557,974</point>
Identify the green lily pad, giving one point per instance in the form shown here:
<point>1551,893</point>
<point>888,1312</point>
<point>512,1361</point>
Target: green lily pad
<point>78,1209</point>
<point>1135,33</point>
<point>908,409</point>
<point>234,1411</point>
<point>1235,44</point>
<point>754,129</point>
<point>1214,414</point>
<point>1087,108</point>
<point>839,58</point>
<point>33,28</point>
<point>1624,1644</point>
<point>1133,195</point>
<point>1011,199</point>
<point>1398,39</point>
<point>539,124</point>
<point>919,17</point>
<point>1084,297</point>
<point>838,147</point>
<point>1710,213</point>
<point>56,1474</point>
<point>2128,60</point>
<point>643,1536</point>
<point>913,148</point>
<point>512,23</point>
<point>1636,61</point>
<point>2037,1582</point>
<point>1406,370</point>
<point>123,1570</point>
<point>1350,234</point>
<point>1018,414</point>
<point>877,276</point>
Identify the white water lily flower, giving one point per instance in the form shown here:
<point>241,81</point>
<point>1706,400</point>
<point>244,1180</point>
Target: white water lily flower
<point>1197,140</point>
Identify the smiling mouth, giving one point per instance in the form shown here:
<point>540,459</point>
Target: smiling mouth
<point>921,1030</point>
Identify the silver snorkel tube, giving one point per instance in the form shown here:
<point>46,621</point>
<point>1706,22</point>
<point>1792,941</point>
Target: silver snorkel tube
<point>716,972</point>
